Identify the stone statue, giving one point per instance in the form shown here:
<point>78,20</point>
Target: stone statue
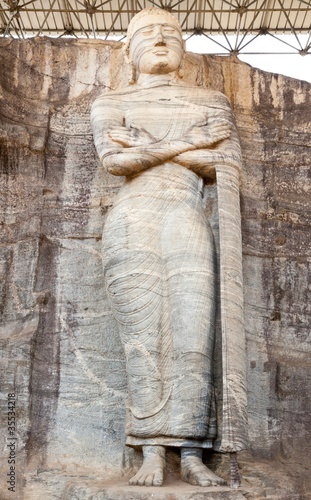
<point>176,298</point>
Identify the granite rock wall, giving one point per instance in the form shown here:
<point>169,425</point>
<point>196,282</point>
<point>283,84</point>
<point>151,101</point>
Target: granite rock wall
<point>60,351</point>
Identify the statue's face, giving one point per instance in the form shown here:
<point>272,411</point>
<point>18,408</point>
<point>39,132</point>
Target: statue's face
<point>156,48</point>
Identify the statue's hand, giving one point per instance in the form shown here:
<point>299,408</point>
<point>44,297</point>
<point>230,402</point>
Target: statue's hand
<point>202,135</point>
<point>132,136</point>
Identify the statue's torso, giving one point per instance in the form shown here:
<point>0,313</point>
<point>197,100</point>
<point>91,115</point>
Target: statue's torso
<point>166,112</point>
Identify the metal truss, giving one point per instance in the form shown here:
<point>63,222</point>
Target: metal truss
<point>239,22</point>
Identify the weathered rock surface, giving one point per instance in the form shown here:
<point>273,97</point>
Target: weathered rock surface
<point>61,354</point>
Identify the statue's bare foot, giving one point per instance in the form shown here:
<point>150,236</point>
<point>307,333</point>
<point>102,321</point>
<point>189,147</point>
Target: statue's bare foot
<point>193,470</point>
<point>151,472</point>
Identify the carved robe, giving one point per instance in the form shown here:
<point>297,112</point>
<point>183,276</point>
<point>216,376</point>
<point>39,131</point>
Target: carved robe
<point>161,273</point>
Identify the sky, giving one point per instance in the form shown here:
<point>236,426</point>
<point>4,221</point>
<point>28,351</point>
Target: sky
<point>285,62</point>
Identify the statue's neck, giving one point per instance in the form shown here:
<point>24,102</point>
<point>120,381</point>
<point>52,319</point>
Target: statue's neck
<point>146,80</point>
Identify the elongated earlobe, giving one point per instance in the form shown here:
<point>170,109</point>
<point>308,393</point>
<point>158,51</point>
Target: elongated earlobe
<point>181,69</point>
<point>131,73</point>
<point>131,70</point>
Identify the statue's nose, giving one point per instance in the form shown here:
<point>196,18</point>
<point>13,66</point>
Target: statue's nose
<point>159,38</point>
<point>160,43</point>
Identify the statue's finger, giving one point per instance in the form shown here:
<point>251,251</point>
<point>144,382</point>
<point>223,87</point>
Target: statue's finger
<point>221,137</point>
<point>137,127</point>
<point>118,141</point>
<point>124,135</point>
<point>221,125</point>
<point>117,129</point>
<point>198,125</point>
<point>216,131</point>
<point>201,123</point>
<point>225,126</point>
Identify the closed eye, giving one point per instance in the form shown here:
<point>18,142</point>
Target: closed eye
<point>147,32</point>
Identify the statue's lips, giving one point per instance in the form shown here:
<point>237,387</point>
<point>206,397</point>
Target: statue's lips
<point>160,52</point>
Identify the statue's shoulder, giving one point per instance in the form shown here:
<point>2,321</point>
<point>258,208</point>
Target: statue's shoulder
<point>118,94</point>
<point>112,96</point>
<point>211,97</point>
<point>115,99</point>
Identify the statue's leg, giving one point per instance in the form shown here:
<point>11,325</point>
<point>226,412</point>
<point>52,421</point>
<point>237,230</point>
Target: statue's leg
<point>190,261</point>
<point>193,470</point>
<point>151,472</point>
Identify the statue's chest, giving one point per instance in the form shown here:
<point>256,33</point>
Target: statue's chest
<point>165,117</point>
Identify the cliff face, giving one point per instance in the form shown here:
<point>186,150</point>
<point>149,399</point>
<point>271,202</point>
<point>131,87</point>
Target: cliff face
<point>61,355</point>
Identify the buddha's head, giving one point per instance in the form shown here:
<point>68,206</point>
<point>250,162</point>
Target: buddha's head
<point>154,42</point>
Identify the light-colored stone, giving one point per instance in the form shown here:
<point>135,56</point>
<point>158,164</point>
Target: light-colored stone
<point>53,204</point>
<point>177,300</point>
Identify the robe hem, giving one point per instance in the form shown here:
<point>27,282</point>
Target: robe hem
<point>134,441</point>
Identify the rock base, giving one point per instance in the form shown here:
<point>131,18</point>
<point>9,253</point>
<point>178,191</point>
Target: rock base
<point>261,480</point>
<point>172,490</point>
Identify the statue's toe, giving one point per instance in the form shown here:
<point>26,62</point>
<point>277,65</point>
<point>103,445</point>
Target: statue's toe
<point>149,480</point>
<point>196,473</point>
<point>199,480</point>
<point>158,478</point>
<point>203,482</point>
<point>141,480</point>
<point>135,479</point>
<point>151,472</point>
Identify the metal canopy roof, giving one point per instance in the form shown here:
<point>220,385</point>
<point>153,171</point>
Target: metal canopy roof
<point>105,18</point>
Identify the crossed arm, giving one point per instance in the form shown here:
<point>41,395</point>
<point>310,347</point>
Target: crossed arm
<point>141,151</point>
<point>130,150</point>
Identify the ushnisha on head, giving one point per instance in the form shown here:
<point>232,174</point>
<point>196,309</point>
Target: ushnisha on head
<point>154,43</point>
